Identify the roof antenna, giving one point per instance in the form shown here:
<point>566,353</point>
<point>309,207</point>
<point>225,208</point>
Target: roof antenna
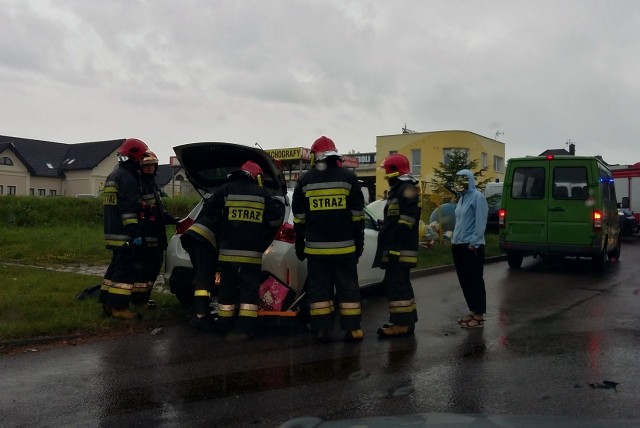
<point>256,144</point>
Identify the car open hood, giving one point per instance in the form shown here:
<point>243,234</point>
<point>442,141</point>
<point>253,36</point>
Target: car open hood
<point>207,165</point>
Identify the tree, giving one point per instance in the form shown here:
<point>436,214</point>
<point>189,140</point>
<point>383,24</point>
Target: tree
<point>445,175</point>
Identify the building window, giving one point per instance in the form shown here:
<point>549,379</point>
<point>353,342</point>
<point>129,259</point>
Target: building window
<point>498,164</point>
<point>1,189</point>
<point>485,160</point>
<point>6,161</point>
<point>416,155</point>
<point>447,153</point>
<point>52,192</point>
<point>11,190</point>
<point>42,192</point>
<point>393,152</point>
<point>31,192</point>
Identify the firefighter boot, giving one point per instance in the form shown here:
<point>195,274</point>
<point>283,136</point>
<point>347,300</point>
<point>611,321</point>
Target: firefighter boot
<point>354,336</point>
<point>324,335</point>
<point>390,330</point>
<point>125,314</point>
<point>106,310</point>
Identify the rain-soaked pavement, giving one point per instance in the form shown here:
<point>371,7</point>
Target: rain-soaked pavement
<point>561,346</point>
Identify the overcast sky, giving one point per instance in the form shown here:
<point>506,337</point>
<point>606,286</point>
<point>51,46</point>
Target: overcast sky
<point>536,74</point>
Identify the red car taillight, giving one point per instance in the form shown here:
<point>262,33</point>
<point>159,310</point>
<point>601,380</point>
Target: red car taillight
<point>286,233</point>
<point>183,225</point>
<point>597,220</point>
<point>502,214</point>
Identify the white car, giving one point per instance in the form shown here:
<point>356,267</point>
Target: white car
<point>207,166</point>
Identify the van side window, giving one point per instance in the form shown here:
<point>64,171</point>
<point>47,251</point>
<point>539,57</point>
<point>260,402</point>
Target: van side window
<point>528,183</point>
<point>569,183</point>
<point>607,187</point>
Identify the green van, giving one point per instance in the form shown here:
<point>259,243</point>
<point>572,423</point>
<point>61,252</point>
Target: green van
<point>560,206</point>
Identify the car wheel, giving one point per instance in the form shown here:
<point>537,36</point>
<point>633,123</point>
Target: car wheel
<point>514,260</point>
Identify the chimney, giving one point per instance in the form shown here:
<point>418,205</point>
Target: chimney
<point>572,149</point>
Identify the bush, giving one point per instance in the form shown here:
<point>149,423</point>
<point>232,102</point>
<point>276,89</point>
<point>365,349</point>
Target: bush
<point>34,211</point>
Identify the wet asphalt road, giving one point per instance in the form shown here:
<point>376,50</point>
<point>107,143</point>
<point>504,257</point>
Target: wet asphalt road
<point>555,332</point>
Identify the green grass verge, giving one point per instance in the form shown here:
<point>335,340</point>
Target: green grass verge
<point>36,302</point>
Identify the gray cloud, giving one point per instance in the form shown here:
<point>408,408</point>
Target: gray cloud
<point>283,72</point>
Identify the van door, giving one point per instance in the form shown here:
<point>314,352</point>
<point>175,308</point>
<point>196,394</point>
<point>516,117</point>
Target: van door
<point>524,200</point>
<point>570,213</point>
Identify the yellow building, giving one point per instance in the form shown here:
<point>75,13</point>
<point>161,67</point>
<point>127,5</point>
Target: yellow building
<point>425,151</point>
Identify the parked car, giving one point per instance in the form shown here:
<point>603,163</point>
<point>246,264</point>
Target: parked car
<point>493,202</point>
<point>628,222</point>
<point>206,166</point>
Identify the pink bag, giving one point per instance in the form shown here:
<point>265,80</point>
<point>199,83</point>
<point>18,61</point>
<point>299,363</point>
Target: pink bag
<point>275,295</point>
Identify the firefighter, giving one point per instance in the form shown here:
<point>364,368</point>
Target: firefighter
<point>397,250</point>
<point>153,218</point>
<point>122,196</point>
<point>247,219</point>
<point>329,224</point>
<point>199,241</point>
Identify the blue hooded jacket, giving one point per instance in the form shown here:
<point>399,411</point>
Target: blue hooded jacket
<point>471,215</point>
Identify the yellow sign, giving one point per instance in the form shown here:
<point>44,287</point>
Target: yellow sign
<point>294,153</point>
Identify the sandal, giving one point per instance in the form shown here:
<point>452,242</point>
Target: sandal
<point>466,319</point>
<point>473,323</point>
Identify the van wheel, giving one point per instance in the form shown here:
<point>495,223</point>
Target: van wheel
<point>514,260</point>
<point>615,254</point>
<point>599,260</point>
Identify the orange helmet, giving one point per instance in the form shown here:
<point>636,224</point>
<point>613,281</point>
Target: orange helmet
<point>132,148</point>
<point>149,158</point>
<point>322,148</point>
<point>395,165</point>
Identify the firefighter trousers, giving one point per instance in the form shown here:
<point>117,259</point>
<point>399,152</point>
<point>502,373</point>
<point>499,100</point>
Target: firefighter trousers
<point>402,304</point>
<point>324,276</point>
<point>238,296</point>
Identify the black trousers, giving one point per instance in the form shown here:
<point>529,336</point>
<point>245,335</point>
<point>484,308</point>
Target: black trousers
<point>470,269</point>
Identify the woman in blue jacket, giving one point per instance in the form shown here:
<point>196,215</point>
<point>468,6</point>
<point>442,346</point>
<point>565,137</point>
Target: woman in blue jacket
<point>467,245</point>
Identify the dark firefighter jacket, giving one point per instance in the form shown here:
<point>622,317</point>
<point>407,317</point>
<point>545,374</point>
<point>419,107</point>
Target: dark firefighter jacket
<point>153,216</point>
<point>202,231</point>
<point>328,209</point>
<point>121,198</point>
<point>245,218</point>
<point>398,236</point>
